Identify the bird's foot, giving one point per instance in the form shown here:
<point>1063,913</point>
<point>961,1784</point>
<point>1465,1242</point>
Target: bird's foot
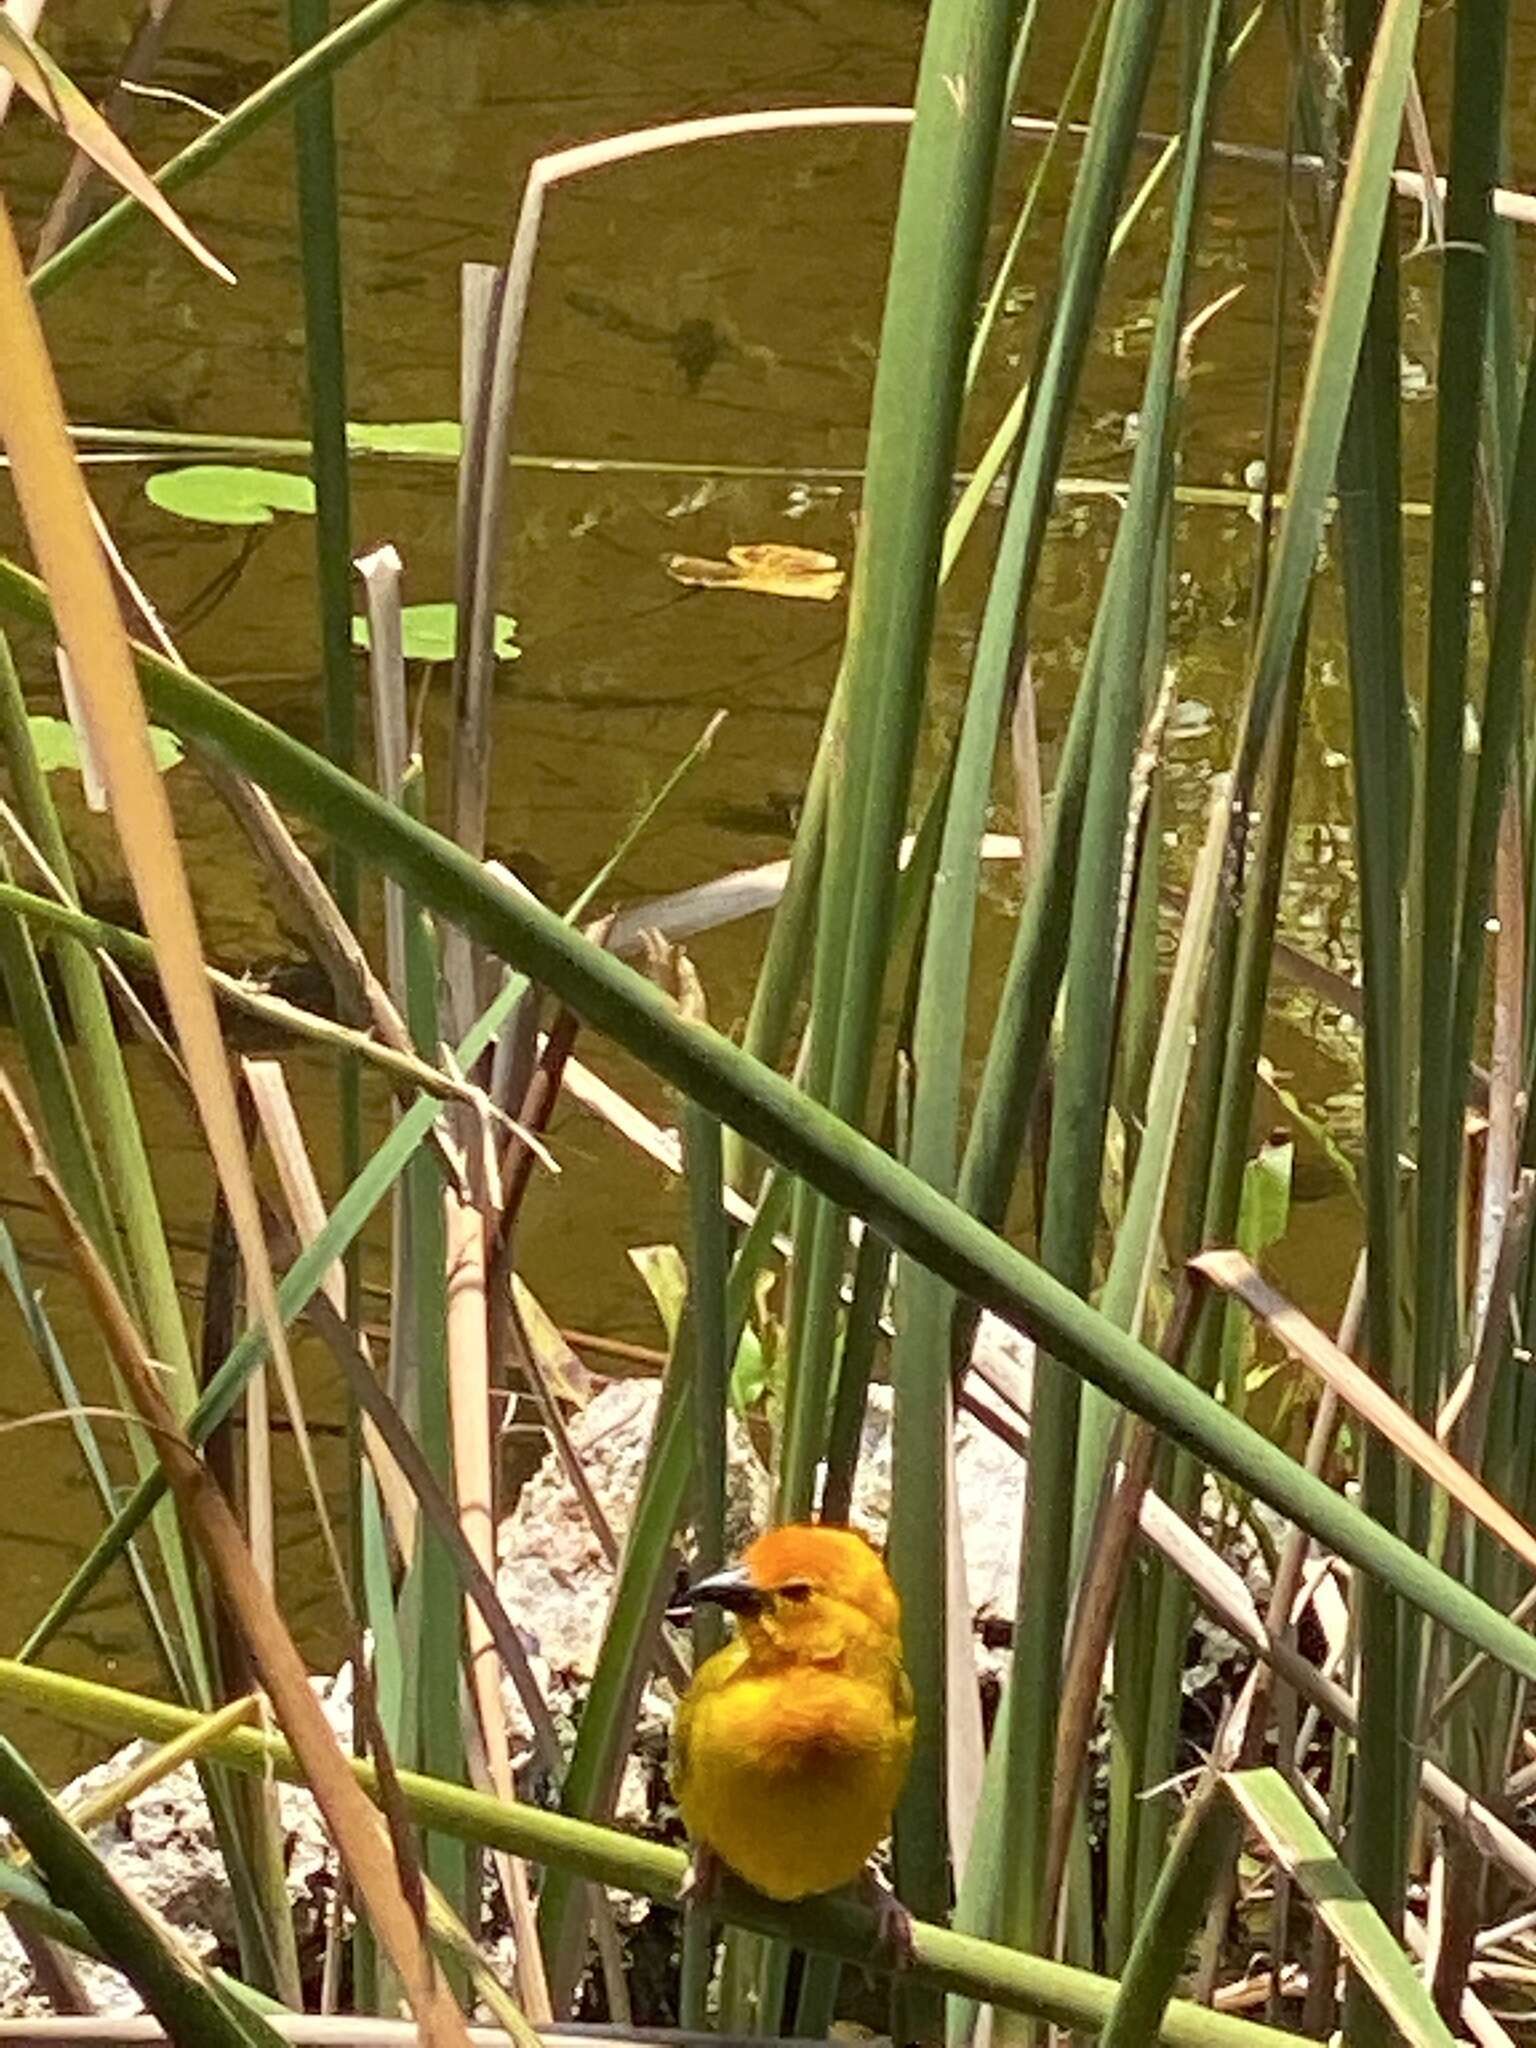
<point>893,1923</point>
<point>701,1880</point>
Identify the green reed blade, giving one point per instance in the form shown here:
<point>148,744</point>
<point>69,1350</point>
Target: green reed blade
<point>432,1647</point>
<point>1069,109</point>
<point>1370,540</point>
<point>1502,709</point>
<point>29,1304</point>
<point>103,1075</point>
<point>1117,656</point>
<point>1276,1812</point>
<point>113,1118</point>
<point>708,1274</point>
<point>1475,116</point>
<point>325,365</point>
<point>1466,422</point>
<point>1208,1837</point>
<point>1341,320</point>
<point>914,421</point>
<point>707,1292</point>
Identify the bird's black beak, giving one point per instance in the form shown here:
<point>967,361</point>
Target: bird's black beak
<point>732,1589</point>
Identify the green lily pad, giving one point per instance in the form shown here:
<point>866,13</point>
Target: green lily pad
<point>57,746</point>
<point>227,494</point>
<point>429,634</point>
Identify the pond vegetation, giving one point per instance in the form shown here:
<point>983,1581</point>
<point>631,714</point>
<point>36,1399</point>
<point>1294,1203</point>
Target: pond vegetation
<point>1109,898</point>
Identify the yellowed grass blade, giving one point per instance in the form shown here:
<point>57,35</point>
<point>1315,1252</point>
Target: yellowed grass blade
<point>1312,1347</point>
<point>663,1146</point>
<point>65,104</point>
<point>469,1392</point>
<point>28,13</point>
<point>355,1826</point>
<point>100,1805</point>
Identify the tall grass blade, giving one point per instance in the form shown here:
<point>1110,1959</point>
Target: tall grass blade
<point>113,1117</point>
<point>1477,99</point>
<point>1206,1840</point>
<point>42,1043</point>
<point>919,385</point>
<point>1501,713</point>
<point>711,1410</point>
<point>640,1592</point>
<point>1102,1593</point>
<point>1341,320</point>
<point>29,1305</point>
<point>1084,64</point>
<point>1116,678</point>
<point>1370,536</point>
<point>103,1077</point>
<point>325,362</point>
<point>431,1602</point>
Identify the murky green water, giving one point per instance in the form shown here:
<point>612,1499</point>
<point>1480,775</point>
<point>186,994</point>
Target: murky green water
<point>712,306</point>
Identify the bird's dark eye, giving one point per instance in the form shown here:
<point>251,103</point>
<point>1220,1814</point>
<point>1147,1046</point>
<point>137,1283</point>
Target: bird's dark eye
<point>796,1589</point>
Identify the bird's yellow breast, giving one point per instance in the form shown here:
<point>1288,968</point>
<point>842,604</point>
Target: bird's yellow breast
<point>790,1772</point>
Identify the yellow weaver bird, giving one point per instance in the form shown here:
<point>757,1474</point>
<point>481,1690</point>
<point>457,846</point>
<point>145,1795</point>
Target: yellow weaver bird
<point>792,1743</point>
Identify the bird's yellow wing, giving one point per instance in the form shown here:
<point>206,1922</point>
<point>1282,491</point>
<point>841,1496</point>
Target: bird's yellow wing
<point>712,1674</point>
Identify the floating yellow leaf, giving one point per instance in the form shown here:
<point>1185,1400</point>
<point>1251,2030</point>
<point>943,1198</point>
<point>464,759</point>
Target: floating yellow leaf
<point>772,568</point>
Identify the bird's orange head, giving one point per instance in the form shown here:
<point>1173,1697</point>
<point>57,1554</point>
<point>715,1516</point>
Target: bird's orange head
<point>797,1582</point>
